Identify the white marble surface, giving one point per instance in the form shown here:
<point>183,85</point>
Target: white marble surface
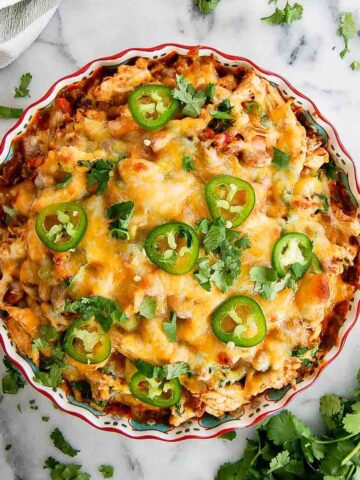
<point>84,29</point>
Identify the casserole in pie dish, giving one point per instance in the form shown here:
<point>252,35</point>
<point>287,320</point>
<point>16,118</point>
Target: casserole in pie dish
<point>179,243</point>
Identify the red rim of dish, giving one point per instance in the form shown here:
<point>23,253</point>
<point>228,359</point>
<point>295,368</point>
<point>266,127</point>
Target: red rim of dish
<point>259,418</point>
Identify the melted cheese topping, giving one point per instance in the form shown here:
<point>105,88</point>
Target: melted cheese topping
<point>98,125</point>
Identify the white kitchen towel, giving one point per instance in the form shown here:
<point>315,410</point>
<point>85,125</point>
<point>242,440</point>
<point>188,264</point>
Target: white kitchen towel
<point>21,21</point>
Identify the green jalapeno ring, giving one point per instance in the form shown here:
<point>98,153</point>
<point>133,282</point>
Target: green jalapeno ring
<point>171,261</point>
<point>218,206</point>
<point>297,241</point>
<point>68,212</point>
<point>90,340</point>
<point>157,398</point>
<point>228,309</point>
<point>154,114</point>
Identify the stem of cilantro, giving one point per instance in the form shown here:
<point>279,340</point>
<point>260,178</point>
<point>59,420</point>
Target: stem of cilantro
<point>335,440</point>
<point>351,454</point>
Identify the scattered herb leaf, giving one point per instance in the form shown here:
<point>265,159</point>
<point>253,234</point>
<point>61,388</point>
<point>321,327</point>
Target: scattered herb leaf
<point>22,90</point>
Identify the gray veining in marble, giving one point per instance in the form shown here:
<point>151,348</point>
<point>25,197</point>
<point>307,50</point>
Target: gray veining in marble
<point>85,29</point>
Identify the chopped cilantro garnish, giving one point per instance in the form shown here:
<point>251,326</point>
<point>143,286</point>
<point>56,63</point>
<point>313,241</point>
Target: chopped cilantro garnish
<point>22,90</point>
<point>106,311</point>
<point>60,471</point>
<point>347,30</point>
<point>191,100</point>
<point>12,380</point>
<point>65,182</point>
<point>223,247</point>
<point>280,159</point>
<point>285,16</point>
<point>188,164</point>
<point>267,282</point>
<point>355,66</point>
<point>210,91</point>
<point>61,444</point>
<point>170,328</point>
<point>148,307</point>
<point>8,447</point>
<point>207,6</point>
<point>107,471</point>
<point>228,436</point>
<point>98,173</point>
<point>166,372</point>
<point>120,215</point>
<point>8,112</point>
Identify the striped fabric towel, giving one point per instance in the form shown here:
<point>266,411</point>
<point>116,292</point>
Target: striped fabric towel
<point>21,21</point>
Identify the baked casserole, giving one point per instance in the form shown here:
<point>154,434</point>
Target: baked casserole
<point>176,239</point>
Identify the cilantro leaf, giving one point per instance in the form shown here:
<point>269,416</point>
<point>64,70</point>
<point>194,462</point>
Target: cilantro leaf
<point>120,214</point>
<point>223,247</point>
<point>12,380</point>
<point>210,91</point>
<point>106,470</point>
<point>281,460</point>
<point>192,100</point>
<point>174,370</point>
<point>355,66</point>
<point>228,436</point>
<point>351,423</point>
<point>285,16</point>
<point>51,376</point>
<point>207,6</point>
<point>65,182</point>
<point>8,112</point>
<point>60,471</point>
<point>148,307</point>
<point>106,311</point>
<point>280,159</point>
<point>61,444</point>
<point>263,274</point>
<point>188,164</point>
<point>22,90</point>
<point>166,372</point>
<point>347,30</point>
<point>98,173</point>
<point>170,328</point>
<point>285,427</point>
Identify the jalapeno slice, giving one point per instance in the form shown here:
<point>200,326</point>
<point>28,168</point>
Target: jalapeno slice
<point>239,320</point>
<point>152,106</point>
<point>86,342</point>
<point>61,226</point>
<point>230,197</point>
<point>290,249</point>
<point>174,247</point>
<point>154,391</point>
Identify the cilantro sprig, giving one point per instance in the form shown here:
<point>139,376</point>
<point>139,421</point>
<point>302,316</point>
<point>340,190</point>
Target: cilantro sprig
<point>285,16</point>
<point>191,100</point>
<point>347,30</point>
<point>98,173</point>
<point>61,444</point>
<point>9,112</point>
<point>106,311</point>
<point>223,248</point>
<point>166,372</point>
<point>120,215</point>
<point>12,380</point>
<point>207,6</point>
<point>286,448</point>
<point>61,471</point>
<point>22,90</point>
